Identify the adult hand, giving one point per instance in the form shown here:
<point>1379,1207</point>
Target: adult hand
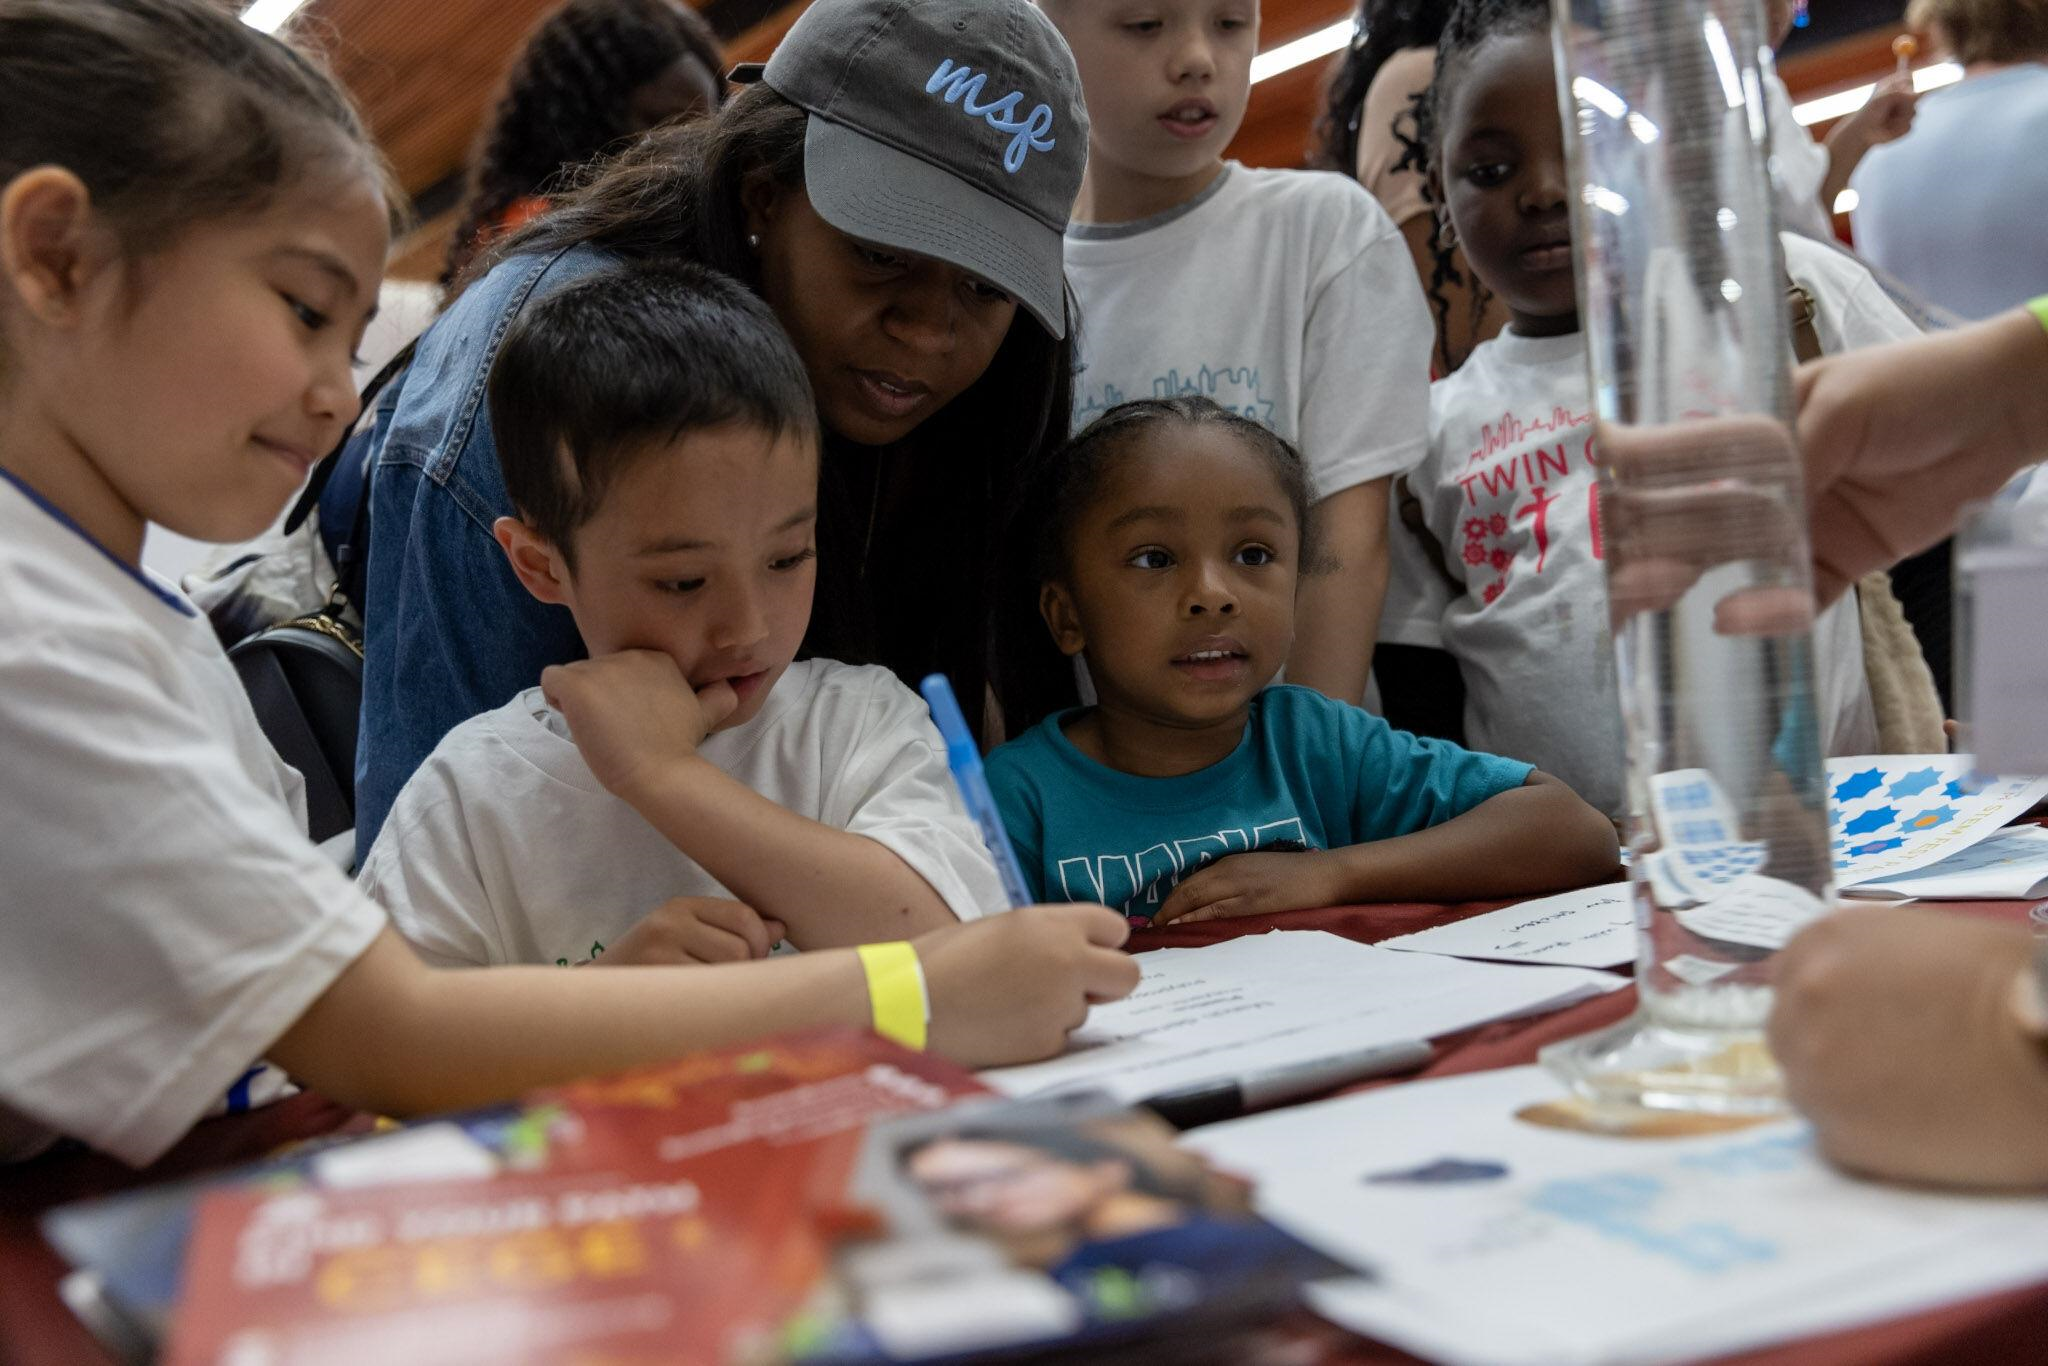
<point>1899,439</point>
<point>1254,884</point>
<point>1685,497</point>
<point>1010,988</point>
<point>695,929</point>
<point>633,715</point>
<point>1899,1040</point>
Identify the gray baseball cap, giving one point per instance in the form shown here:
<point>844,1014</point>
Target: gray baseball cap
<point>949,128</point>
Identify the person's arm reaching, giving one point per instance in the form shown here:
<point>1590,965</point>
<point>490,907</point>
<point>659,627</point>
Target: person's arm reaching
<point>1898,439</point>
<point>396,1037</point>
<point>638,725</point>
<point>1885,117</point>
<point>1338,615</point>
<point>1539,837</point>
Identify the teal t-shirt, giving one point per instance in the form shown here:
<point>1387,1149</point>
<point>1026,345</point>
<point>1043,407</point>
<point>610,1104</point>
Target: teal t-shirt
<point>1310,771</point>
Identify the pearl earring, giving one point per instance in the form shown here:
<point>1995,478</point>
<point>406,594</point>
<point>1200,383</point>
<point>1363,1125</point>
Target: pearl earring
<point>754,240</point>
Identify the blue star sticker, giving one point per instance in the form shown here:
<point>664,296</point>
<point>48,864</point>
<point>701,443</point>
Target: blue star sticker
<point>1930,818</point>
<point>1859,785</point>
<point>1874,847</point>
<point>1915,783</point>
<point>1871,821</point>
<point>1969,785</point>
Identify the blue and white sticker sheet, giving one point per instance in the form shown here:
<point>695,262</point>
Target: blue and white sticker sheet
<point>1893,813</point>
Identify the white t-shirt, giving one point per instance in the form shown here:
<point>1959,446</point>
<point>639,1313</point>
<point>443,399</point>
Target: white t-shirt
<point>1956,209</point>
<point>504,847</point>
<point>1508,488</point>
<point>165,918</point>
<point>1799,165</point>
<point>1287,296</point>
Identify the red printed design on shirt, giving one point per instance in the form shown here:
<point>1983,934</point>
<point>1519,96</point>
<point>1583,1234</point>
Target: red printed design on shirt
<point>1523,480</point>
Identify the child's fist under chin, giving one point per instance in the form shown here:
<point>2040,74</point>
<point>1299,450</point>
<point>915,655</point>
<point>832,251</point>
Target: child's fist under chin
<point>633,714</point>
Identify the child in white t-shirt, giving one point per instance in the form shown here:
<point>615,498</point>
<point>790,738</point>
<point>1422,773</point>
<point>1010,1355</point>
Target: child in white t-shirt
<point>1509,489</point>
<point>670,503</point>
<point>1285,296</point>
<point>178,306</point>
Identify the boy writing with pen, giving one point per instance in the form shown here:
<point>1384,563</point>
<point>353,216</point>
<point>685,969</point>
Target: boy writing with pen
<point>659,439</point>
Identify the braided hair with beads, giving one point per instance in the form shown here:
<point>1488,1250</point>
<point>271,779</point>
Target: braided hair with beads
<point>1471,22</point>
<point>568,100</point>
<point>1383,28</point>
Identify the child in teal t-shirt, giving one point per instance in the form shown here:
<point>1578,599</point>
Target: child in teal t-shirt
<point>1171,537</point>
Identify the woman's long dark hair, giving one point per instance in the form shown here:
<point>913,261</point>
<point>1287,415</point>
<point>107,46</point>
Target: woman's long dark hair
<point>907,533</point>
<point>1384,28</point>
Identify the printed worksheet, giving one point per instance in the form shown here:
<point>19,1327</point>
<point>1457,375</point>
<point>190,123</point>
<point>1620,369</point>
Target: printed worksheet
<point>1276,1000</point>
<point>1504,1233</point>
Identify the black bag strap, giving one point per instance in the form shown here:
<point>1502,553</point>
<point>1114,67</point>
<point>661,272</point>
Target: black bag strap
<point>309,497</point>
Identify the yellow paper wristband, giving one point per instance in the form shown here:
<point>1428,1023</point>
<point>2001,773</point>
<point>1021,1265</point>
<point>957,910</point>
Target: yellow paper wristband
<point>896,992</point>
<point>2039,308</point>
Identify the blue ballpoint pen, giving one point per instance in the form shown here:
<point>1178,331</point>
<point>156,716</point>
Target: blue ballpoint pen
<point>963,756</point>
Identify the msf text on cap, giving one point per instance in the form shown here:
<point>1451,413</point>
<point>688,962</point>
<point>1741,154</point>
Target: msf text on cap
<point>949,128</point>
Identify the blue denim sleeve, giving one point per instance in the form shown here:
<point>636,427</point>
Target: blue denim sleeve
<point>449,632</point>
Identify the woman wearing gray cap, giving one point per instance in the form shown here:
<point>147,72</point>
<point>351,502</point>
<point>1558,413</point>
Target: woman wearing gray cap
<point>894,183</point>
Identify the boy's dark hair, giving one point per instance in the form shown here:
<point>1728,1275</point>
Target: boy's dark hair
<point>632,357</point>
<point>675,195</point>
<point>1470,23</point>
<point>1384,27</point>
<point>567,98</point>
<point>1032,677</point>
<point>173,112</point>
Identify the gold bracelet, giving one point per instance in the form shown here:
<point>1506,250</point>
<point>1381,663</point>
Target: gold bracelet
<point>896,992</point>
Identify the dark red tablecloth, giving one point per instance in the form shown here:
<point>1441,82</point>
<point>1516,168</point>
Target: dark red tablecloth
<point>36,1329</point>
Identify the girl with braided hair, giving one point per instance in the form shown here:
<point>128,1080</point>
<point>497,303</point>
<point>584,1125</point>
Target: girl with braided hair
<point>1368,131</point>
<point>594,74</point>
<point>1509,489</point>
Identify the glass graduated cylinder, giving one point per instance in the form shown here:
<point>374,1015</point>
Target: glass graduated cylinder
<point>1684,313</point>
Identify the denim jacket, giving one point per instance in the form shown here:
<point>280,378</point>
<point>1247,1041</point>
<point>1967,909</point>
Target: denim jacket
<point>449,631</point>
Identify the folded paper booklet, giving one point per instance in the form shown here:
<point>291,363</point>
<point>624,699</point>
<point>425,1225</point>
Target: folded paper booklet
<point>754,1205</point>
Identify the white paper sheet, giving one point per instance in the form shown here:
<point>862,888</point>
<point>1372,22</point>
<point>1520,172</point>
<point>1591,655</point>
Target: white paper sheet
<point>1590,1250</point>
<point>1592,928</point>
<point>2010,866</point>
<point>1278,999</point>
<point>1892,813</point>
<point>1762,912</point>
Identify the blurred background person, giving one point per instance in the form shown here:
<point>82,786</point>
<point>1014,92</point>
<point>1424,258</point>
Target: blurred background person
<point>1956,210</point>
<point>594,75</point>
